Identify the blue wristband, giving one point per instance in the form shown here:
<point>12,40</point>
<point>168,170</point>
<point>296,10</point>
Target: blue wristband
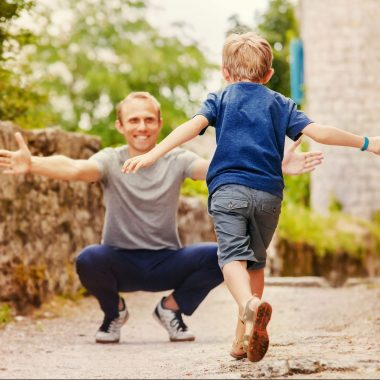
<point>365,144</point>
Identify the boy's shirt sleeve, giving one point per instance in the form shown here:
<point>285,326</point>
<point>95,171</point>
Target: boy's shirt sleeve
<point>209,110</point>
<point>297,122</point>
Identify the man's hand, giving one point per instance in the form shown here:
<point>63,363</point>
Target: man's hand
<point>134,164</point>
<point>295,163</point>
<point>16,162</point>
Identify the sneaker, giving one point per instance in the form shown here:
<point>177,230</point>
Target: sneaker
<point>173,323</point>
<point>109,331</point>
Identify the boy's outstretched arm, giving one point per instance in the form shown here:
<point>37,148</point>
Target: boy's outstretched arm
<point>294,162</point>
<point>180,135</point>
<point>21,161</point>
<point>328,135</point>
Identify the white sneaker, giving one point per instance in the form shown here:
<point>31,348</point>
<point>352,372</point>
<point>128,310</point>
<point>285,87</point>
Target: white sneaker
<point>173,323</point>
<point>109,331</point>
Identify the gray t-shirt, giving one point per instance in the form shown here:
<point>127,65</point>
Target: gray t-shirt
<point>141,208</point>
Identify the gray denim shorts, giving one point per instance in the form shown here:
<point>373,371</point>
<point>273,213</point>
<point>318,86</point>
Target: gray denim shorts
<point>244,220</point>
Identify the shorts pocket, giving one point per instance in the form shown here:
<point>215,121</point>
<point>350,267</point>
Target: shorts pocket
<point>269,212</point>
<point>228,204</point>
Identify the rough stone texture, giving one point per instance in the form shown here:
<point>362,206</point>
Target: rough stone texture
<point>194,223</point>
<point>342,58</point>
<point>45,223</point>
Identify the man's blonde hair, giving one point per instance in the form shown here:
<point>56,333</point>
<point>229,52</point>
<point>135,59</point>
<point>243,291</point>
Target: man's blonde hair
<point>247,57</point>
<point>137,95</point>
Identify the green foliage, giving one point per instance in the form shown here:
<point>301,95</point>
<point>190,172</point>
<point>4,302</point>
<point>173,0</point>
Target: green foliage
<point>335,205</point>
<point>376,217</point>
<point>335,233</point>
<point>279,26</point>
<point>5,315</point>
<point>193,188</point>
<point>19,100</point>
<point>297,187</point>
<point>105,51</point>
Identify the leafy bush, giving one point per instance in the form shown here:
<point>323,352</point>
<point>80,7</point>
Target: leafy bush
<point>193,188</point>
<point>335,233</point>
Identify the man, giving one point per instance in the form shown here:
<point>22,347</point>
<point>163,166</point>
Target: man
<point>140,248</point>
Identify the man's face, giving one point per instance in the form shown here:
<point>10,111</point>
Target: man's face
<point>140,125</point>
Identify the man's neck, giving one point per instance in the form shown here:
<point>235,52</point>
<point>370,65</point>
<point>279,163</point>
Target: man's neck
<point>134,152</point>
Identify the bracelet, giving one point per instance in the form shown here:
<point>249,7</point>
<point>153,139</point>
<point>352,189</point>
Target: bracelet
<point>365,144</point>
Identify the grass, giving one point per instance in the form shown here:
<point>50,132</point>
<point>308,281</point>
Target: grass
<point>5,315</point>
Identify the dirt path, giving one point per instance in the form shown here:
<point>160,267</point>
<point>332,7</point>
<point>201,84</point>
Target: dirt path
<point>316,332</point>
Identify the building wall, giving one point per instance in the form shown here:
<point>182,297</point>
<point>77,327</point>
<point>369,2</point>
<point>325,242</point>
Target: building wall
<point>342,82</point>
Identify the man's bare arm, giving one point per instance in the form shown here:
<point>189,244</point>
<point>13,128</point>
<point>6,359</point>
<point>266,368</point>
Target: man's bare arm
<point>57,167</point>
<point>294,163</point>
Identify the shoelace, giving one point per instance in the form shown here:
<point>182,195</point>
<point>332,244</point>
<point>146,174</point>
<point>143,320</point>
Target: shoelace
<point>109,325</point>
<point>177,321</point>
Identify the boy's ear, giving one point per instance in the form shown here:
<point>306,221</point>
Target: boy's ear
<point>268,76</point>
<point>226,74</point>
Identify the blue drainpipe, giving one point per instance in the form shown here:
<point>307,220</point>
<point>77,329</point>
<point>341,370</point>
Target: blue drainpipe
<point>296,71</point>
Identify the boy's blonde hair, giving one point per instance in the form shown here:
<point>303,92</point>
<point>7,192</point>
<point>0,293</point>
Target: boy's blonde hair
<point>138,95</point>
<point>247,57</point>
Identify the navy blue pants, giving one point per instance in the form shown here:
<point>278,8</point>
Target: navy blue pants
<point>191,271</point>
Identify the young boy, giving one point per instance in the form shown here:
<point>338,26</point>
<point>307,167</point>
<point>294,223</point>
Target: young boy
<point>245,179</point>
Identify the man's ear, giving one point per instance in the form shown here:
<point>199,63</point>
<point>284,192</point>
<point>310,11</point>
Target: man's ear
<point>268,76</point>
<point>119,126</point>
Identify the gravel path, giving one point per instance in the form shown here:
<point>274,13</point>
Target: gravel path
<point>316,332</point>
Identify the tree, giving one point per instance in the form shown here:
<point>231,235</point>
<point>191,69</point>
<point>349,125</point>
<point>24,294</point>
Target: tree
<point>103,51</point>
<point>19,100</point>
<point>279,26</point>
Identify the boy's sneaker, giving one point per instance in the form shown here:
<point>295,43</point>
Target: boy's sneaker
<point>109,331</point>
<point>173,323</point>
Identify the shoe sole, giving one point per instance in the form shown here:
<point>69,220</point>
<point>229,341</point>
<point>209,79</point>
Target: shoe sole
<point>172,339</point>
<point>113,341</point>
<point>107,342</point>
<point>258,342</point>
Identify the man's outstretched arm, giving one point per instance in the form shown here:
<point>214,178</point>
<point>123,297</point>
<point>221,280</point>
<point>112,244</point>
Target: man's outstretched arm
<point>57,167</point>
<point>294,163</point>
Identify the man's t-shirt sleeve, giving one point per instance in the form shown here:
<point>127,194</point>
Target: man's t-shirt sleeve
<point>297,122</point>
<point>102,159</point>
<point>209,110</point>
<point>187,160</point>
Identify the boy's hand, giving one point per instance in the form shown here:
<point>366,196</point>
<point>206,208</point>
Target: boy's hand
<point>17,162</point>
<point>295,163</point>
<point>134,164</point>
<point>374,145</point>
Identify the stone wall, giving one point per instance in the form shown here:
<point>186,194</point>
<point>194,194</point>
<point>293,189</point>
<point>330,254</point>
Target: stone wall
<point>342,82</point>
<point>45,223</point>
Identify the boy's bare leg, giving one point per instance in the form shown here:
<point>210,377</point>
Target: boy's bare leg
<point>257,288</point>
<point>238,281</point>
<point>243,284</point>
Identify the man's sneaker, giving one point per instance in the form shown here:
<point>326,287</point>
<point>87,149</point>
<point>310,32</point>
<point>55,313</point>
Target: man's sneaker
<point>173,323</point>
<point>109,331</point>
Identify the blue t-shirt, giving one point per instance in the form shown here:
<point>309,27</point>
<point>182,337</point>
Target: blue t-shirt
<point>251,122</point>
